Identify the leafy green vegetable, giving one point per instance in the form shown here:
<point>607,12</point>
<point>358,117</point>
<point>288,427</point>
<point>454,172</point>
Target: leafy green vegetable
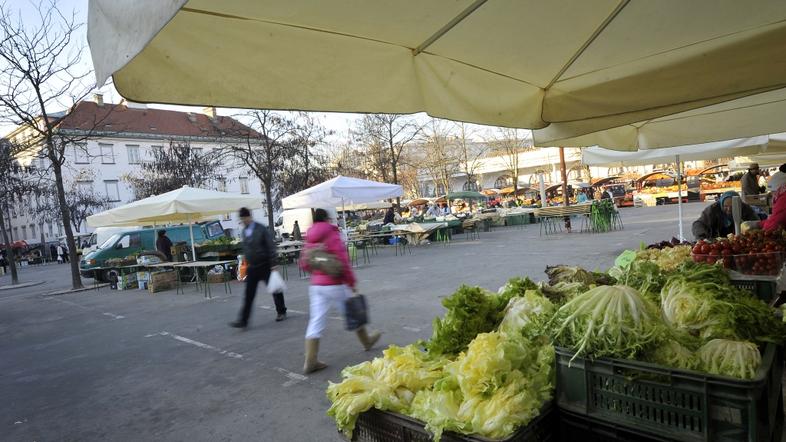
<point>570,274</point>
<point>644,276</point>
<point>672,353</point>
<point>386,383</point>
<point>498,384</point>
<point>527,315</point>
<point>700,299</point>
<point>730,358</point>
<point>517,287</point>
<point>561,292</point>
<point>612,321</point>
<point>471,311</point>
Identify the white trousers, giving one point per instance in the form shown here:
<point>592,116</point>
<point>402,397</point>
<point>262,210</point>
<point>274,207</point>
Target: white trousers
<point>321,299</point>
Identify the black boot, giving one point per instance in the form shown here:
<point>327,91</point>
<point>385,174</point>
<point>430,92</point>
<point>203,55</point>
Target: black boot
<point>281,308</point>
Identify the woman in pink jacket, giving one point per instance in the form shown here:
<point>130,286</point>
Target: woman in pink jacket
<point>326,291</point>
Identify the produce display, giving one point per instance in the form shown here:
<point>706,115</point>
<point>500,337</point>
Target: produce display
<point>723,185</point>
<point>664,189</point>
<point>756,252</point>
<point>488,367</point>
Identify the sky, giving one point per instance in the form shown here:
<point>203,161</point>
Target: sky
<point>339,123</point>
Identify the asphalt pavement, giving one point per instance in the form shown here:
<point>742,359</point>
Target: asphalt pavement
<point>104,365</point>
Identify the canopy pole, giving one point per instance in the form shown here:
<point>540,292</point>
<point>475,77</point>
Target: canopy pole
<point>191,232</point>
<point>679,197</point>
<point>563,168</point>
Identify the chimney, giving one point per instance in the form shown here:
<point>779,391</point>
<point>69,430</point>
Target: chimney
<point>210,111</point>
<point>191,117</point>
<point>99,99</point>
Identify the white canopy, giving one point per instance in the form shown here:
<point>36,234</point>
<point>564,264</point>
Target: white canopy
<point>186,204</point>
<point>759,114</point>
<point>366,206</point>
<point>586,65</point>
<point>342,190</point>
<point>772,144</point>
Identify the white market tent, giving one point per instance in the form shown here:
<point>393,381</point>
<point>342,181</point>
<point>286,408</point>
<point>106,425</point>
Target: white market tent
<point>755,115</point>
<point>341,190</point>
<point>608,63</point>
<point>187,204</point>
<point>366,206</point>
<point>769,144</point>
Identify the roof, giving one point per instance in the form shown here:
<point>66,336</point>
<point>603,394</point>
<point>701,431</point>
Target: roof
<point>119,119</point>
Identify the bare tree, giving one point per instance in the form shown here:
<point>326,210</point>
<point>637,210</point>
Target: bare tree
<point>264,151</point>
<point>174,166</point>
<point>308,163</point>
<point>40,72</point>
<point>81,202</point>
<point>387,135</point>
<point>509,144</point>
<point>470,153</point>
<point>439,154</point>
<point>17,182</point>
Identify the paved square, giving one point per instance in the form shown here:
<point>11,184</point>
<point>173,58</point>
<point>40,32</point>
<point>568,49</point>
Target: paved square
<point>126,365</point>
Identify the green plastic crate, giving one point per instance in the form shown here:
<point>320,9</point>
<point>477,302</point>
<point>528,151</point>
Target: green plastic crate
<point>674,404</point>
<point>385,426</point>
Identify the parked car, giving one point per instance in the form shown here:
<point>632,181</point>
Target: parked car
<point>129,243</point>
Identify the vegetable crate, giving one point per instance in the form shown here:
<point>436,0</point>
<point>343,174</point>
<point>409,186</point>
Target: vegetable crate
<point>766,290</point>
<point>384,426</point>
<point>573,427</point>
<point>673,404</point>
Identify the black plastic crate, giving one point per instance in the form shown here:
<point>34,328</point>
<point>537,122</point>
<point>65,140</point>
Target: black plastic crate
<point>670,403</point>
<point>574,428</point>
<point>384,426</point>
<point>766,290</point>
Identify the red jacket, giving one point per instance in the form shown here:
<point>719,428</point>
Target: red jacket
<point>778,217</point>
<point>328,235</point>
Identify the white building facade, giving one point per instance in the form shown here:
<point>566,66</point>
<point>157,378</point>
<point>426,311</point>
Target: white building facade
<point>102,164</point>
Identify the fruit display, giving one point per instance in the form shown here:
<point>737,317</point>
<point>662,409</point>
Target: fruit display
<point>723,185</point>
<point>756,252</point>
<point>665,189</point>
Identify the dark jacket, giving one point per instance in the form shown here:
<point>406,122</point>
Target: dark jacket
<point>164,245</point>
<point>750,184</point>
<point>259,248</point>
<point>710,224</point>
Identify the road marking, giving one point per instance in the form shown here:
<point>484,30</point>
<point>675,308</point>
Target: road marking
<point>294,378</point>
<point>412,329</point>
<point>289,310</point>
<point>228,353</point>
<point>113,316</point>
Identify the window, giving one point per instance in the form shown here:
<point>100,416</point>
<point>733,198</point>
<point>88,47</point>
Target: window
<point>59,230</point>
<point>503,181</point>
<point>243,184</point>
<point>32,230</point>
<point>222,185</point>
<point>16,232</point>
<point>107,154</point>
<point>81,155</point>
<point>112,192</point>
<point>130,240</point>
<point>471,186</point>
<point>155,151</point>
<point>49,227</point>
<point>13,210</point>
<point>84,186</point>
<point>24,232</point>
<point>133,154</point>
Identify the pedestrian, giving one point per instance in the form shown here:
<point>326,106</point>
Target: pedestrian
<point>259,251</point>
<point>296,235</point>
<point>53,256</point>
<point>164,245</point>
<point>3,261</point>
<point>60,254</point>
<point>327,290</point>
<point>750,182</point>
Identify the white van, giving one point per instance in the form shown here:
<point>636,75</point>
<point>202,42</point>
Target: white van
<point>102,234</point>
<point>286,221</point>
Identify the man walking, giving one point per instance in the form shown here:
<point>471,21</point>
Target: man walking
<point>260,254</point>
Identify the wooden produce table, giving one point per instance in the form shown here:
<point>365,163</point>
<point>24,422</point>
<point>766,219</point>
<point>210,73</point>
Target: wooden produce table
<point>169,265</point>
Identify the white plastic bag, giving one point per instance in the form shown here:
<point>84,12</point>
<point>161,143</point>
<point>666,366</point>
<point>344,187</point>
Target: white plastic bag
<point>276,284</point>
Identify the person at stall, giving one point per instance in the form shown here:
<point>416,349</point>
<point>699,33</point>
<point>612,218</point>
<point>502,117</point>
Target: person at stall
<point>716,220</point>
<point>164,245</point>
<point>750,181</point>
<point>433,211</point>
<point>390,216</point>
<point>778,217</point>
<point>296,235</point>
<point>774,179</point>
<point>445,209</point>
<point>581,197</point>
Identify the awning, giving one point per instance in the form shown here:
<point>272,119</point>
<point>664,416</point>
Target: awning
<point>340,191</point>
<point>581,66</point>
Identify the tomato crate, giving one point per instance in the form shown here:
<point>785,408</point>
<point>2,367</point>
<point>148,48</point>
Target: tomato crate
<point>385,426</point>
<point>673,404</point>
<point>758,264</point>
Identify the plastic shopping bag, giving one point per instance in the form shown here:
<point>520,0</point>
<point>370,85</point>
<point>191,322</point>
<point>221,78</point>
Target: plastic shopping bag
<point>276,284</point>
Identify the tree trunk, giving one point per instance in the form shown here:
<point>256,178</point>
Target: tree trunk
<point>269,198</point>
<point>394,167</point>
<point>44,251</point>
<point>9,251</point>
<point>564,173</point>
<point>76,280</point>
